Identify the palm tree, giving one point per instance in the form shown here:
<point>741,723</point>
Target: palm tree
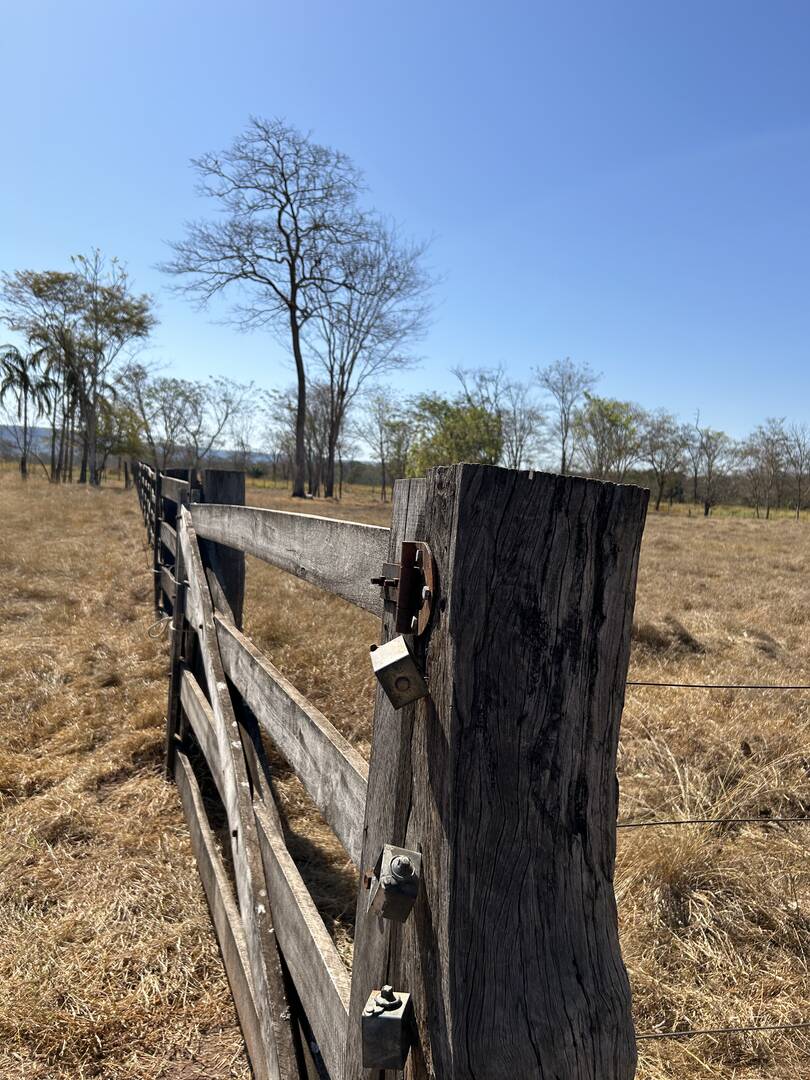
<point>21,378</point>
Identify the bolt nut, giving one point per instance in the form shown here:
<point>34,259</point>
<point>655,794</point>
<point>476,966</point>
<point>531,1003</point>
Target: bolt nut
<point>387,999</point>
<point>402,867</point>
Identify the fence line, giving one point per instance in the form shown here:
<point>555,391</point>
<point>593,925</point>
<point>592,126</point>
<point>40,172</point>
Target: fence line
<point>448,783</point>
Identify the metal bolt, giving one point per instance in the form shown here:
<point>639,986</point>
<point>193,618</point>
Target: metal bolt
<point>417,559</point>
<point>387,999</point>
<point>402,867</point>
<point>414,624</point>
<point>402,683</point>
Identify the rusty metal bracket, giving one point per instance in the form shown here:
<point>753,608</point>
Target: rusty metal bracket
<point>411,585</point>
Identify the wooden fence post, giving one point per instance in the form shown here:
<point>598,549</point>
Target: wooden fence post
<point>157,514</point>
<point>227,565</point>
<point>504,778</point>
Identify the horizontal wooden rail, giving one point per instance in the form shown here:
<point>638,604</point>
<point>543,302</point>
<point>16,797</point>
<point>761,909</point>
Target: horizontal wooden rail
<point>334,774</point>
<point>168,537</point>
<point>319,975</point>
<point>201,717</point>
<point>173,489</point>
<point>167,583</point>
<point>338,556</point>
<point>224,912</point>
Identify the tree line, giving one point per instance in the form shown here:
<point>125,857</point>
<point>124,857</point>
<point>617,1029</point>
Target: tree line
<point>291,248</point>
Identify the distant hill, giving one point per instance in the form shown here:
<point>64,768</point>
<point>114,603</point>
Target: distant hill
<point>9,438</point>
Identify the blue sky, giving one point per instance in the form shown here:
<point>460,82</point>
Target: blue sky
<point>627,183</point>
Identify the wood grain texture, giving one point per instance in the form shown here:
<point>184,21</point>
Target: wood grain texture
<point>167,583</point>
<point>320,977</point>
<point>339,556</point>
<point>174,489</point>
<point>168,537</point>
<point>248,871</point>
<point>333,773</point>
<point>513,955</point>
<point>389,796</point>
<point>224,912</point>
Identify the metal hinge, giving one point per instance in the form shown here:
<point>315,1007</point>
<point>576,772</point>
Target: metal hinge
<point>411,585</point>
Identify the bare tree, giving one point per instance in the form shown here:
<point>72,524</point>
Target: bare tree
<point>764,455</point>
<point>662,446</point>
<point>207,409</point>
<point>364,328</point>
<point>716,451</point>
<point>524,426</point>
<point>288,209</point>
<point>566,383</point>
<point>381,428</point>
<point>797,452</point>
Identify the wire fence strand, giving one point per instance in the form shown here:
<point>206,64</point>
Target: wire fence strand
<point>720,1031</point>
<point>713,821</point>
<point>718,686</point>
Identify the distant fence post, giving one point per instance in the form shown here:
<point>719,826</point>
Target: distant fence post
<point>157,514</point>
<point>180,638</point>
<point>504,778</point>
<point>225,567</point>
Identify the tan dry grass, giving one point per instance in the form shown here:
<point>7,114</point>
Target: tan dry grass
<point>108,967</point>
<point>714,920</point>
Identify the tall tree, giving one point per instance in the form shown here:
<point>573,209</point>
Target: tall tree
<point>386,426</point>
<point>365,328</point>
<point>566,382</point>
<point>448,431</point>
<point>764,454</point>
<point>112,317</point>
<point>608,436</point>
<point>662,447</point>
<point>716,451</point>
<point>797,452</point>
<point>288,209</point>
<point>83,320</point>
<point>22,379</point>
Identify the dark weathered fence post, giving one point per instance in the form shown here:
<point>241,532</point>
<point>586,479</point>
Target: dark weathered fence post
<point>504,778</point>
<point>226,565</point>
<point>157,514</point>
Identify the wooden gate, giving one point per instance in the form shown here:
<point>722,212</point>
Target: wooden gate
<point>502,779</point>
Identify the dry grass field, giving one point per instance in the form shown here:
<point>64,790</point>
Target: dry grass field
<point>108,968</point>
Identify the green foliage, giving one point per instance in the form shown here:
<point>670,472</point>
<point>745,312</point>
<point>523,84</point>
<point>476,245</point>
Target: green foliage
<point>452,431</point>
<point>607,436</point>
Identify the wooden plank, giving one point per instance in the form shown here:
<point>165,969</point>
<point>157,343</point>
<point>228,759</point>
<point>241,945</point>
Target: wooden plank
<point>320,977</point>
<point>339,556</point>
<point>511,793</point>
<point>224,912</point>
<point>201,717</point>
<point>167,583</point>
<point>333,773</point>
<point>389,795</point>
<point>248,871</point>
<point>168,537</point>
<point>173,489</point>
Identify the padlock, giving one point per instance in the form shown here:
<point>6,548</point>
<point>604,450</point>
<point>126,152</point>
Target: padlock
<point>386,1029</point>
<point>398,673</point>
<point>395,884</point>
